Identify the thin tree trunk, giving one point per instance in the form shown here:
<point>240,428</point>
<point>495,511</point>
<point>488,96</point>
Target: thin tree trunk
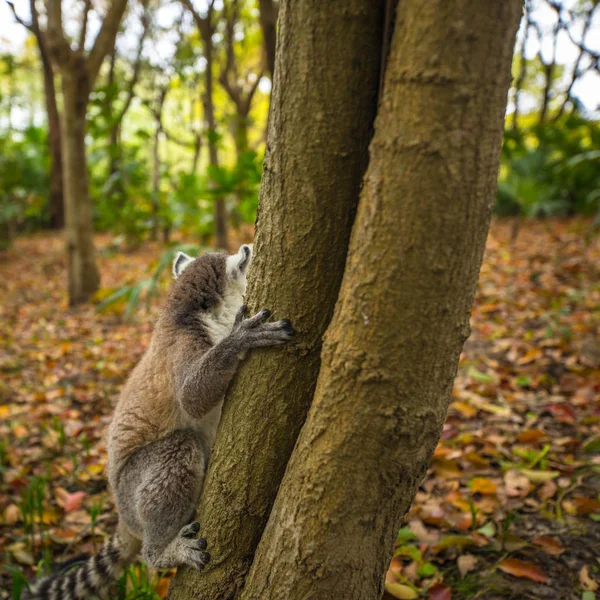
<point>155,185</point>
<point>221,238</point>
<point>522,72</point>
<point>268,25</point>
<point>84,277</point>
<point>392,349</point>
<point>240,134</point>
<point>56,201</point>
<point>322,109</point>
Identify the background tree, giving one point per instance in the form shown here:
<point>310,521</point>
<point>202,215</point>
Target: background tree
<point>56,201</point>
<point>206,28</point>
<point>316,154</point>
<point>268,23</point>
<point>78,71</point>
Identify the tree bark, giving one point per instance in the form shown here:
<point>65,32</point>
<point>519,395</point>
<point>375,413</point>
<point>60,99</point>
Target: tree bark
<point>84,277</point>
<point>322,109</point>
<point>391,352</point>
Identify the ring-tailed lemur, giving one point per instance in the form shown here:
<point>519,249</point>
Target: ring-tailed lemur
<point>165,422</point>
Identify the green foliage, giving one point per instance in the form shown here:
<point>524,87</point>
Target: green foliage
<point>551,169</point>
<point>146,288</point>
<point>24,167</point>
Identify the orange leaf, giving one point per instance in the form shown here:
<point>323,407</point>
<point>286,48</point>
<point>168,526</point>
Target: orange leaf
<point>586,506</point>
<point>531,435</point>
<point>69,502</point>
<point>548,544</point>
<point>481,485</point>
<point>532,355</point>
<point>466,410</point>
<point>523,569</point>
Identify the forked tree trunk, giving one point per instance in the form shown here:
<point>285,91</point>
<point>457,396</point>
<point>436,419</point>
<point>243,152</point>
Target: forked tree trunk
<point>322,110</point>
<point>392,349</point>
<point>83,273</point>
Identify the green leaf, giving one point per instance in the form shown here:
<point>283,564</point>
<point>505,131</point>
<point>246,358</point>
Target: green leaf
<point>405,535</point>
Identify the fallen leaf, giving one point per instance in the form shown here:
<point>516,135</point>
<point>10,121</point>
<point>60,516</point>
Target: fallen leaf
<point>548,544</point>
<point>12,514</point>
<point>531,435</point>
<point>466,563</point>
<point>523,569</point>
<point>539,476</point>
<point>400,591</point>
<point>547,490</point>
<point>481,485</point>
<point>466,410</point>
<point>586,581</point>
<point>439,592</point>
<point>562,412</point>
<point>69,502</point>
<point>586,506</point>
<point>516,484</point>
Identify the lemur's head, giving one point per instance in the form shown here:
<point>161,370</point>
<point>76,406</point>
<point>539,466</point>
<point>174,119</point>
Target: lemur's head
<point>202,284</point>
<point>231,268</point>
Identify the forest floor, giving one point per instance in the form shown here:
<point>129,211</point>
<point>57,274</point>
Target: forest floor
<point>510,508</point>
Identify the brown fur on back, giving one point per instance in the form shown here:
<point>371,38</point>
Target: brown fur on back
<point>147,409</point>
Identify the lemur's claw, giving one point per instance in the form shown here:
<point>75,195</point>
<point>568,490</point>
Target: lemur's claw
<point>191,530</point>
<point>287,326</point>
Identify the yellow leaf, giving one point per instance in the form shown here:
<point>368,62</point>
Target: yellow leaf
<point>539,476</point>
<point>400,591</point>
<point>481,485</point>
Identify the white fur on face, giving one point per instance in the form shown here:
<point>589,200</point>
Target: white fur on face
<point>219,321</point>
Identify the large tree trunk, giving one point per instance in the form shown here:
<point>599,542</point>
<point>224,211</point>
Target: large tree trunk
<point>322,110</point>
<point>392,349</point>
<point>56,201</point>
<point>83,273</point>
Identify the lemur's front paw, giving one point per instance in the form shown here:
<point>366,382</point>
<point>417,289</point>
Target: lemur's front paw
<point>255,332</point>
<point>192,549</point>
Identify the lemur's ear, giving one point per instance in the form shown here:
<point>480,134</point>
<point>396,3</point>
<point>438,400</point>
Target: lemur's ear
<point>180,263</point>
<point>238,263</point>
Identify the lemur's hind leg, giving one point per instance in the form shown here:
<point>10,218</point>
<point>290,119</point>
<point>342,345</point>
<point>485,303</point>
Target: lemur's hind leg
<point>168,475</point>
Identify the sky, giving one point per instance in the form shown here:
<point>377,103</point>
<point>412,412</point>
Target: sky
<point>587,88</point>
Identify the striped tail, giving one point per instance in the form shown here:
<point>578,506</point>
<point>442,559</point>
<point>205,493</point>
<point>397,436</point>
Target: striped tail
<point>92,578</point>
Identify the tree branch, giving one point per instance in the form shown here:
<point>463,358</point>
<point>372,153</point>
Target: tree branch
<point>18,19</point>
<point>106,38</point>
<point>589,15</point>
<point>137,64</point>
<point>57,43</point>
<point>202,23</point>
<point>83,32</point>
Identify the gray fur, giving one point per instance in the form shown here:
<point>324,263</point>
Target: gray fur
<point>165,422</point>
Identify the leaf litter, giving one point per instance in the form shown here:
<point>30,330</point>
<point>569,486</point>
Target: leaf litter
<point>510,507</point>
